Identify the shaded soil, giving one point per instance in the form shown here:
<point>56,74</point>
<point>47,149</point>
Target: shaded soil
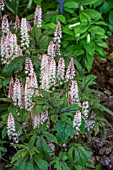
<point>104,82</point>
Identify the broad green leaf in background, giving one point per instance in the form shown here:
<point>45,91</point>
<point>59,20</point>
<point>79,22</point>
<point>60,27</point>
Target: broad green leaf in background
<point>111,18</point>
<point>12,5</point>
<point>38,2</point>
<point>70,4</point>
<point>106,7</point>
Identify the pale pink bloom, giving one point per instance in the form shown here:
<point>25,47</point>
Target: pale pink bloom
<point>3,48</point>
<point>57,48</point>
<point>29,26</point>
<point>7,47</point>
<point>15,47</point>
<point>11,129</point>
<point>52,73</point>
<point>52,146</point>
<point>85,108</point>
<point>37,121</point>
<point>74,92</point>
<point>34,83</point>
<point>70,73</point>
<point>19,53</point>
<point>51,50</point>
<point>17,93</point>
<point>28,67</point>
<point>17,23</point>
<point>77,122</point>
<point>38,16</point>
<point>11,86</point>
<point>44,116</point>
<point>44,65</point>
<point>61,70</point>
<point>58,33</point>
<point>2,5</point>
<point>24,34</point>
<point>44,72</point>
<point>5,24</point>
<point>28,94</point>
<point>45,81</point>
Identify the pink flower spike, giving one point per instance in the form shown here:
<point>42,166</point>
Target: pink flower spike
<point>11,86</point>
<point>29,26</point>
<point>74,93</point>
<point>24,34</point>
<point>17,23</point>
<point>51,50</point>
<point>2,5</point>
<point>85,108</point>
<point>58,33</point>
<point>61,70</point>
<point>37,121</point>
<point>11,129</point>
<point>70,74</point>
<point>28,67</point>
<point>77,121</point>
<point>5,24</point>
<point>52,73</point>
<point>38,16</point>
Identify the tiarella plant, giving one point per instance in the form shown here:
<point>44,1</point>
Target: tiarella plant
<point>51,112</point>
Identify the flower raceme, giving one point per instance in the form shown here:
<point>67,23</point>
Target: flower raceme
<point>38,16</point>
<point>5,24</point>
<point>2,5</point>
<point>70,74</point>
<point>77,122</point>
<point>11,129</point>
<point>9,48</point>
<point>57,38</point>
<point>24,34</point>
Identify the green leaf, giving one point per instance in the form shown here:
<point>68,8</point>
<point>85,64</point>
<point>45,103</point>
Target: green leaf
<point>70,4</point>
<point>91,13</point>
<point>61,18</point>
<point>106,7</point>
<point>67,30</point>
<point>97,30</point>
<point>111,18</point>
<point>14,65</point>
<point>50,137</point>
<point>50,25</point>
<point>12,5</point>
<point>101,43</point>
<point>42,164</point>
<point>96,128</point>
<point>90,47</point>
<point>87,2</point>
<point>37,2</point>
<point>2,149</point>
<point>5,99</point>
<point>4,132</point>
<point>89,61</point>
<point>101,52</point>
<point>64,131</point>
<point>29,166</point>
<point>111,55</point>
<point>70,154</point>
<point>43,147</point>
